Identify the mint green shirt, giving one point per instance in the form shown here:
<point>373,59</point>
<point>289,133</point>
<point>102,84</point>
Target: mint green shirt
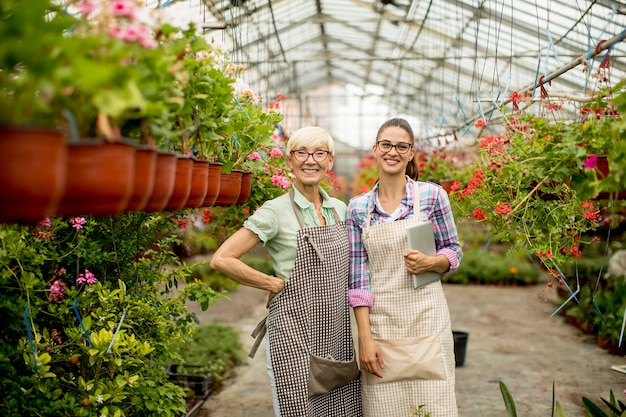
<point>276,224</point>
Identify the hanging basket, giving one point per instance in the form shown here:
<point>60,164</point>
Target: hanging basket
<point>163,182</point>
<point>33,166</point>
<point>100,178</point>
<point>145,170</point>
<point>246,187</point>
<point>182,184</point>
<point>603,171</point>
<point>213,184</point>
<point>199,183</point>
<point>230,188</point>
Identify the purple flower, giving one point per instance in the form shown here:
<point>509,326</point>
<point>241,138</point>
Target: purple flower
<point>78,222</point>
<point>590,162</point>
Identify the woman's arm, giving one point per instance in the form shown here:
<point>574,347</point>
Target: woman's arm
<point>449,251</point>
<point>227,260</point>
<point>369,355</point>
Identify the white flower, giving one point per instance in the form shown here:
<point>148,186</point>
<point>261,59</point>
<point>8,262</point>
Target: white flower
<point>99,399</point>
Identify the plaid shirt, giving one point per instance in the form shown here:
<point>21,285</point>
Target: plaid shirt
<point>434,206</point>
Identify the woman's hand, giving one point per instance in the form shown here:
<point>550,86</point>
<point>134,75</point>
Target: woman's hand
<point>370,357</point>
<point>417,263</point>
<point>274,293</point>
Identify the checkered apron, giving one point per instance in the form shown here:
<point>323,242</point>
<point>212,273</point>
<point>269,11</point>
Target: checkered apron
<point>311,316</point>
<point>401,311</point>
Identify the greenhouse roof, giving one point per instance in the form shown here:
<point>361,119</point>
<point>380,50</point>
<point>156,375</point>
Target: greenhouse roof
<point>446,63</point>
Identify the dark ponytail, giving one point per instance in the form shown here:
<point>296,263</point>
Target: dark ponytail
<point>411,168</point>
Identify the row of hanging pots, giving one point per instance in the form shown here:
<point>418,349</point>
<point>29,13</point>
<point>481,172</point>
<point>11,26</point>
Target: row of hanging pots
<point>41,175</point>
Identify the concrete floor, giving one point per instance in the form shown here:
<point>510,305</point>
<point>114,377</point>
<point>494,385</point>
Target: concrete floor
<point>511,338</point>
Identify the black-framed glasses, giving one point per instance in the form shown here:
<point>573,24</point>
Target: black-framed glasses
<point>386,146</point>
<point>302,155</point>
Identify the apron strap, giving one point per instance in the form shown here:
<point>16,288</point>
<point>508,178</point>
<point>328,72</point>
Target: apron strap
<point>416,206</point>
<point>258,334</point>
<point>309,239</point>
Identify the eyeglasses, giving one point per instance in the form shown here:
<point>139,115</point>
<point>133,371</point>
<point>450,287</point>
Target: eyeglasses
<point>386,146</point>
<point>302,155</point>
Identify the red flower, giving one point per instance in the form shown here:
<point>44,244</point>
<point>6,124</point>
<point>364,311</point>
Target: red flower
<point>503,208</point>
<point>478,214</point>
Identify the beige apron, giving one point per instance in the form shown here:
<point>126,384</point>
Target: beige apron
<point>311,316</point>
<point>400,311</point>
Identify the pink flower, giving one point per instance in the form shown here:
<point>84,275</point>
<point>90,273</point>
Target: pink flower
<point>87,277</point>
<point>590,162</point>
<point>45,222</point>
<point>78,222</point>
<point>86,7</point>
<point>275,152</point>
<point>130,33</point>
<point>123,8</point>
<point>254,156</point>
<point>280,181</point>
<point>57,291</point>
<point>148,42</point>
<point>266,167</point>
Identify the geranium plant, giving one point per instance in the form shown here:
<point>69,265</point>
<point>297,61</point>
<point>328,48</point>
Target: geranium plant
<point>93,316</point>
<point>535,182</point>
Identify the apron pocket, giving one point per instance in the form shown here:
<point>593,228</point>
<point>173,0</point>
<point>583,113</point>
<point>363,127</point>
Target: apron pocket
<point>327,374</point>
<point>408,359</point>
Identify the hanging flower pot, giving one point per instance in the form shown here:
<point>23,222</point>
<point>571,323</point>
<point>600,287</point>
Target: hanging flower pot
<point>602,172</point>
<point>164,178</point>
<point>246,187</point>
<point>33,166</point>
<point>100,178</point>
<point>145,169</point>
<point>199,183</point>
<point>182,184</point>
<point>230,187</point>
<point>213,184</point>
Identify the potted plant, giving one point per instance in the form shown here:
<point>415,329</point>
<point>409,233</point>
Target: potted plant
<point>32,151</point>
<point>535,182</point>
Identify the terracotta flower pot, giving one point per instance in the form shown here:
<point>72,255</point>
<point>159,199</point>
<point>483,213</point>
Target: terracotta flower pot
<point>199,183</point>
<point>246,187</point>
<point>145,169</point>
<point>33,164</point>
<point>182,184</point>
<point>213,184</point>
<point>603,171</point>
<point>100,178</point>
<point>230,187</point>
<point>164,178</point>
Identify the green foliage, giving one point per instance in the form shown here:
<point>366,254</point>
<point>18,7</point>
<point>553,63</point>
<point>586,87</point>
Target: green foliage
<point>214,350</point>
<point>120,276</point>
<point>489,266</point>
<point>591,409</point>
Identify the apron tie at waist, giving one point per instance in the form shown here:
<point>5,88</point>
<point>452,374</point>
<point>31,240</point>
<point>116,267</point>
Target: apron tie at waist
<point>258,333</point>
<point>315,247</point>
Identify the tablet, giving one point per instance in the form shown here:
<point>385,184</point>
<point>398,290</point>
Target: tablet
<point>422,238</point>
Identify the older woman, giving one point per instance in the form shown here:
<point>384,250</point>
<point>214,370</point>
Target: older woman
<point>307,240</point>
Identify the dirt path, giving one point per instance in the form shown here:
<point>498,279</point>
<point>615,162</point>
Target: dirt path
<point>511,338</point>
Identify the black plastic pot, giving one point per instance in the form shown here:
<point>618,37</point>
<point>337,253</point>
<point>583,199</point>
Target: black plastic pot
<point>460,346</point>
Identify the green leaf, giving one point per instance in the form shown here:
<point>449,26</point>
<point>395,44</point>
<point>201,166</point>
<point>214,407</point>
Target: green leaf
<point>593,409</point>
<point>509,402</point>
